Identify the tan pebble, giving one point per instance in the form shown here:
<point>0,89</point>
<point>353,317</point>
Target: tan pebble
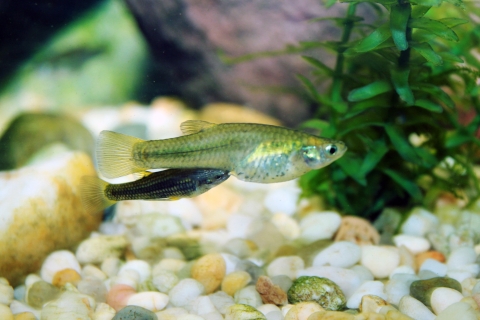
<point>302,310</point>
<point>331,315</point>
<point>118,296</point>
<point>371,303</point>
<point>421,257</point>
<point>397,315</point>
<point>357,230</point>
<point>25,316</point>
<point>235,281</point>
<point>61,277</point>
<point>209,270</point>
<point>5,312</point>
<point>270,292</point>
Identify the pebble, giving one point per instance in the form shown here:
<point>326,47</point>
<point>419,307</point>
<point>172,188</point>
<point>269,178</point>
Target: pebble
<point>302,310</point>
<point>5,312</point>
<point>64,276</point>
<point>458,310</point>
<point>221,301</point>
<point>419,222</point>
<point>24,316</point>
<point>288,266</point>
<point>231,262</point>
<point>243,312</point>
<point>414,308</point>
<point>271,293</point>
<point>348,280</point>
<point>91,271</point>
<point>111,266</point>
<point>321,290</point>
<point>127,277</point>
<point>341,254</point>
<point>171,313</point>
<point>57,261</point>
<point>169,264</point>
<point>201,306</point>
<point>135,313</point>
<point>248,296</point>
<point>375,288</point>
<point>372,304</point>
<point>103,312</point>
<point>441,298</point>
<point>435,255</point>
<point>401,270</point>
<point>70,305</point>
<point>422,289</point>
<point>357,230</point>
<point>209,270</point>
<point>239,248</point>
<point>415,244</point>
<point>141,267</point>
<point>185,292</point>
<point>235,281</point>
<point>95,250</point>
<point>335,315</point>
<point>399,286</point>
<point>118,296</point>
<point>150,300</point>
<point>283,199</point>
<point>460,257</point>
<point>287,226</point>
<point>317,226</point>
<point>407,258</point>
<point>440,269</point>
<point>6,293</point>
<point>380,260</point>
<point>253,270</point>
<point>40,293</point>
<point>164,280</point>
<point>93,287</point>
<point>363,273</point>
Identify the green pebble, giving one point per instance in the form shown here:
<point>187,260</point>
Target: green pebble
<point>422,289</point>
<point>40,293</point>
<point>321,290</point>
<point>135,313</point>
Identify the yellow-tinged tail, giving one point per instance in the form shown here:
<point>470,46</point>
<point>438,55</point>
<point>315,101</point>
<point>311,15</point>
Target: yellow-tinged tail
<point>114,154</point>
<point>92,194</point>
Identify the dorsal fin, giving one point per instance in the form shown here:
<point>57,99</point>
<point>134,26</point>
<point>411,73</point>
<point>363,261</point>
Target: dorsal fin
<point>195,126</point>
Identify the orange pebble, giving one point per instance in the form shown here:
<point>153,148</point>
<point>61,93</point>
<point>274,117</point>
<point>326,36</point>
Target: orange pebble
<point>118,296</point>
<point>64,276</point>
<point>421,257</point>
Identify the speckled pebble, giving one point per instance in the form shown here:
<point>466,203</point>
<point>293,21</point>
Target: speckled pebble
<point>271,293</point>
<point>302,310</point>
<point>57,261</point>
<point>341,254</point>
<point>185,292</point>
<point>135,313</point>
<point>321,290</point>
<point>285,266</point>
<point>153,301</point>
<point>243,312</point>
<point>235,281</point>
<point>61,277</point>
<point>209,270</point>
<point>97,249</point>
<point>40,293</point>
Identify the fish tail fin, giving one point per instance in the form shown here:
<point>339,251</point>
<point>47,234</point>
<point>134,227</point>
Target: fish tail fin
<point>114,154</point>
<point>92,194</point>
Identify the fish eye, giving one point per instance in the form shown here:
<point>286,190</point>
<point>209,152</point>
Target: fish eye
<point>331,149</point>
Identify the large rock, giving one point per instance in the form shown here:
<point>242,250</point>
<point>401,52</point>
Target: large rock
<point>40,211</point>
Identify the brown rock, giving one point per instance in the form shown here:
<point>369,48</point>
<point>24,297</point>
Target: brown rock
<point>270,292</point>
<point>66,276</point>
<point>357,230</point>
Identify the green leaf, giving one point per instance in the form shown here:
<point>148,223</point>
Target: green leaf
<point>453,22</point>
<point>421,10</point>
<point>399,15</point>
<point>428,3</point>
<point>400,82</point>
<point>384,2</point>
<point>370,90</point>
<point>351,166</point>
<point>429,105</point>
<point>310,88</point>
<point>315,124</point>
<point>401,144</point>
<point>330,3</point>
<point>376,150</point>
<point>427,52</point>
<point>318,64</point>
<point>426,157</point>
<point>457,138</point>
<point>374,39</point>
<point>450,57</point>
<point>409,186</point>
<point>458,3</point>
<point>436,92</point>
<point>435,27</point>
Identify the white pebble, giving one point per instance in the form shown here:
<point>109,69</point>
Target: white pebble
<point>89,271</point>
<point>230,262</point>
<point>140,266</point>
<point>415,309</point>
<point>415,244</point>
<point>156,225</point>
<point>19,307</point>
<point>274,315</point>
<point>127,277</point>
<point>380,260</point>
<point>222,301</point>
<point>240,226</point>
<point>287,226</point>
<point>283,200</point>
<point>363,273</point>
<point>399,286</point>
<point>248,295</point>
<point>343,254</point>
<point>286,308</point>
<point>348,280</point>
<point>31,279</point>
<point>95,250</point>
<point>434,266</point>
<point>150,300</point>
<point>402,270</point>
<point>419,222</point>
<point>171,313</point>
<point>189,317</point>
<point>6,294</point>
<point>56,261</point>
<point>111,266</point>
<point>173,265</point>
<point>185,292</point>
<point>172,253</point>
<point>318,226</point>
<point>213,316</point>
<point>5,312</point>
<point>460,257</point>
<point>368,288</point>
<point>103,312</point>
<point>164,280</point>
<point>459,310</point>
<point>441,298</point>
<point>285,266</point>
<point>266,308</point>
<point>70,305</point>
<point>201,305</point>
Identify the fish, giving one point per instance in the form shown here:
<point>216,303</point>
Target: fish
<point>251,152</point>
<point>172,184</point>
